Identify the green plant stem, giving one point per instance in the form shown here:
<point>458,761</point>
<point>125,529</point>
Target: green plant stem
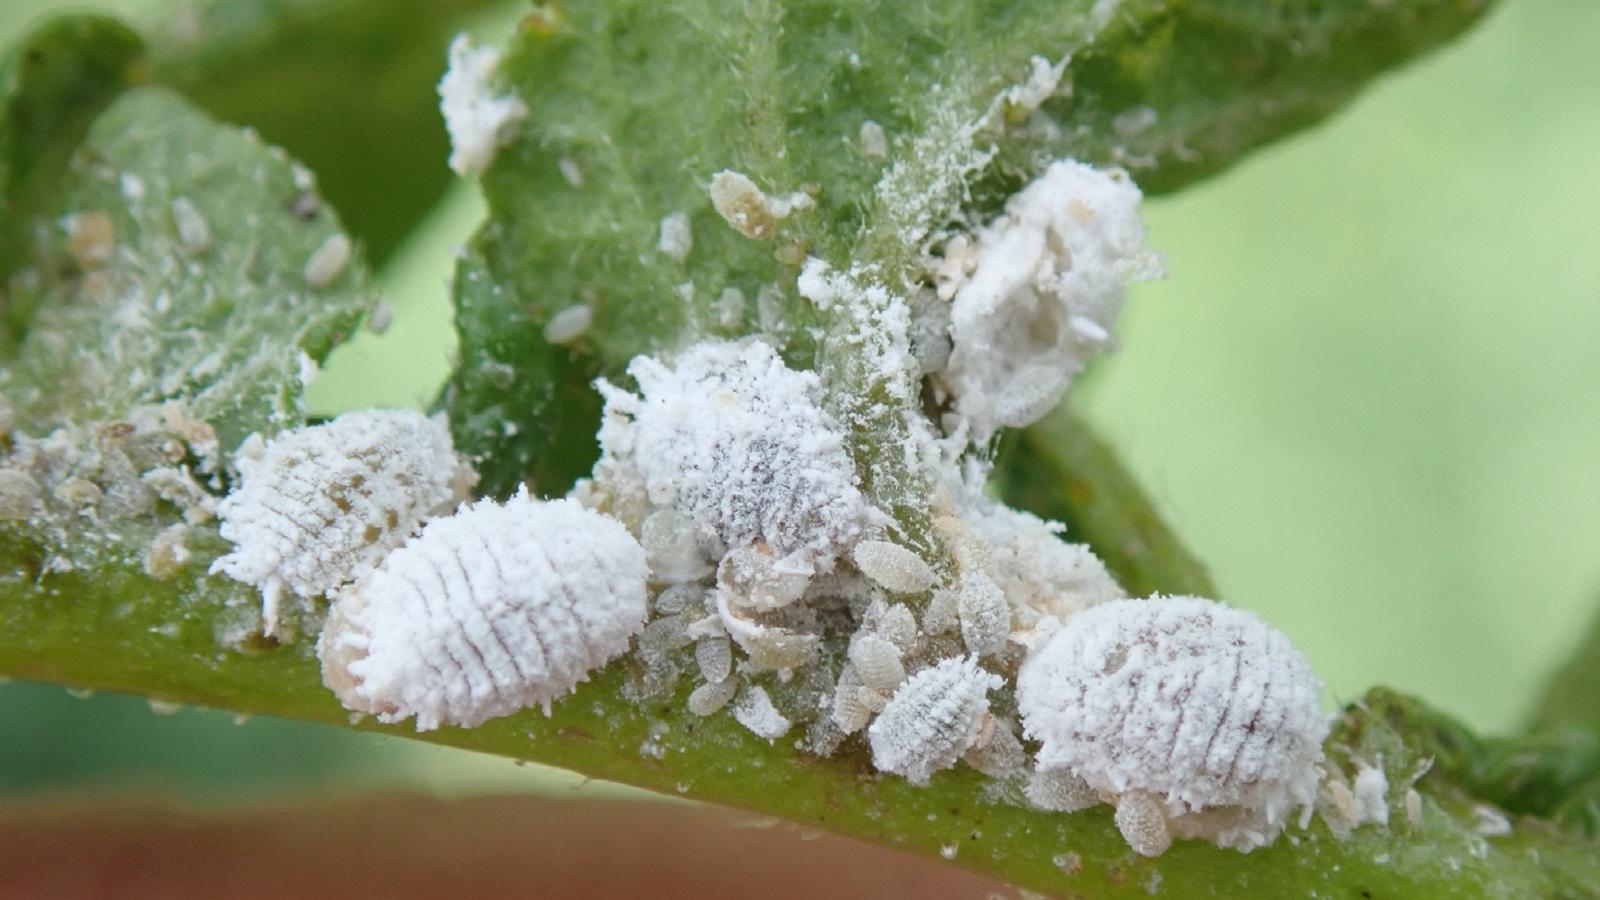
<point>122,631</point>
<point>1060,469</point>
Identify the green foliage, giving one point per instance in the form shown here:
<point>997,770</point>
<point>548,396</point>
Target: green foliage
<point>650,100</point>
<point>344,85</point>
<point>51,85</point>
<point>635,107</point>
<point>132,312</point>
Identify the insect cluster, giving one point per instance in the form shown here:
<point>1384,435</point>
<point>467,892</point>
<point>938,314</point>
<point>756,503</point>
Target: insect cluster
<point>478,614</point>
<point>726,529</point>
<point>767,560</point>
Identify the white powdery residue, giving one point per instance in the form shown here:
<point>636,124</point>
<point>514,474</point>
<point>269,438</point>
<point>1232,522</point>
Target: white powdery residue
<point>932,719</point>
<point>1347,805</point>
<point>1042,82</point>
<point>569,324</point>
<point>1048,280</point>
<point>736,442</point>
<point>676,240</point>
<point>479,119</point>
<point>328,261</point>
<point>321,506</point>
<point>924,186</point>
<point>1370,789</point>
<point>872,141</point>
<point>754,710</point>
<point>1195,719</point>
<point>878,322</point>
<point>497,608</point>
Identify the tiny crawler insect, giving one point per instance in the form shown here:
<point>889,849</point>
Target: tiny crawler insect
<point>328,261</point>
<point>322,505</point>
<point>496,608</point>
<point>1194,719</point>
<point>935,717</point>
<point>893,567</point>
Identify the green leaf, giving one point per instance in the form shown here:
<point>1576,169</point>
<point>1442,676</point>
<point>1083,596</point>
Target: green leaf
<point>347,86</point>
<point>175,316</point>
<point>134,310</point>
<point>635,106</point>
<point>52,84</point>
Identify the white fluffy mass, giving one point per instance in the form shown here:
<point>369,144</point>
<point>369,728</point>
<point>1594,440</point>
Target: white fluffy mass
<point>478,119</point>
<point>321,505</point>
<point>1045,579</point>
<point>736,442</point>
<point>1037,295</point>
<point>494,609</point>
<point>1203,707</point>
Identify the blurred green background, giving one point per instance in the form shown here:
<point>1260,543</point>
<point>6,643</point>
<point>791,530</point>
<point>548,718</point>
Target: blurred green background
<point>1369,396</point>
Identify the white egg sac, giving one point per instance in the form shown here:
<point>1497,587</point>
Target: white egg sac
<point>1204,708</point>
<point>933,718</point>
<point>321,505</point>
<point>491,610</point>
<point>1047,282</point>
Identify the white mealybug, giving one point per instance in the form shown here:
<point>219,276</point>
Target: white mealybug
<point>737,443</point>
<point>1195,719</point>
<point>497,608</point>
<point>876,661</point>
<point>893,567</point>
<point>479,119</point>
<point>936,716</point>
<point>984,613</point>
<point>676,238</point>
<point>569,324</point>
<point>194,233</point>
<point>328,261</point>
<point>321,505</point>
<point>1047,281</point>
